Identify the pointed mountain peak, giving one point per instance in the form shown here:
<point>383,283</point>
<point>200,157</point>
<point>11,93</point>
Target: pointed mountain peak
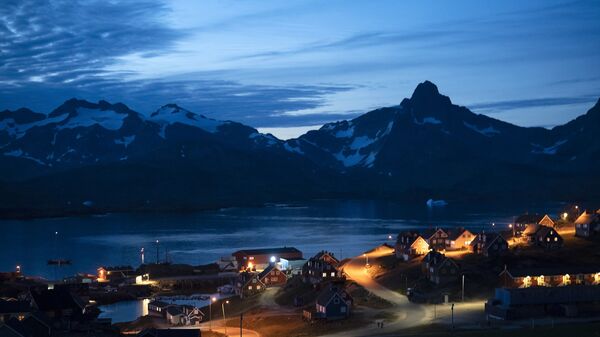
<point>425,89</point>
<point>168,109</point>
<point>427,97</point>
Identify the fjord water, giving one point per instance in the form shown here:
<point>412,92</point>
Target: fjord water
<point>346,228</point>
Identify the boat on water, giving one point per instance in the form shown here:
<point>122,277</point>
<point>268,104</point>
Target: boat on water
<point>58,262</point>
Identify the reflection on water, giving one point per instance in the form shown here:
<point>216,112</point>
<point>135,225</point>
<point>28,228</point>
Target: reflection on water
<point>346,228</point>
<point>125,311</point>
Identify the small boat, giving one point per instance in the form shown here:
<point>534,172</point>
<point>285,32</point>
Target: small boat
<point>58,262</point>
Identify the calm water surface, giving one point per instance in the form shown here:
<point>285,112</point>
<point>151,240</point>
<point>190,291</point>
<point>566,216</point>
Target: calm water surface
<point>347,228</point>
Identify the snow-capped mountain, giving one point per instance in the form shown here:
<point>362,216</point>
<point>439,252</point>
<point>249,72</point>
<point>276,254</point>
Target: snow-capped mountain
<point>174,158</point>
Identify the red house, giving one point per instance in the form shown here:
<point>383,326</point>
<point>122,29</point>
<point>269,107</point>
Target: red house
<point>272,276</point>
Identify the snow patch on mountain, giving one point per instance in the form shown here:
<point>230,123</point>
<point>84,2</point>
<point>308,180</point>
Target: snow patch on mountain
<point>348,160</point>
<point>171,114</point>
<point>346,133</point>
<point>488,132</point>
<point>20,154</point>
<point>291,148</point>
<point>549,150</point>
<point>108,119</point>
<point>428,120</point>
<point>125,141</point>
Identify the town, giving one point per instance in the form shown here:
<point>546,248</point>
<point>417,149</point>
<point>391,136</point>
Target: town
<point>537,273</point>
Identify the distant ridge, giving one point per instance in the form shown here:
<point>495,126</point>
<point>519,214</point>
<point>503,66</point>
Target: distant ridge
<point>175,159</point>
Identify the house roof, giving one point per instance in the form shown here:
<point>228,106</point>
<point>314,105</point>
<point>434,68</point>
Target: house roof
<point>266,271</point>
<point>545,230</point>
<point>429,232</point>
<point>529,218</point>
<point>329,293</point>
<point>159,304</point>
<point>8,307</point>
<point>587,218</point>
<point>170,333</point>
<point>550,271</point>
<point>320,255</point>
<point>56,299</point>
<point>174,310</point>
<point>268,251</point>
<point>456,233</point>
<point>486,239</point>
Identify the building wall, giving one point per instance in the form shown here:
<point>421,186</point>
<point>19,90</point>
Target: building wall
<point>274,278</point>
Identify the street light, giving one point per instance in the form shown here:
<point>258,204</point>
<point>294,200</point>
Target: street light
<point>157,259</point>
<point>212,300</point>
<point>367,262</point>
<point>463,288</point>
<point>224,320</point>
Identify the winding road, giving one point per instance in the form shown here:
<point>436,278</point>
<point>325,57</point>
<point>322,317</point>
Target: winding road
<point>406,313</point>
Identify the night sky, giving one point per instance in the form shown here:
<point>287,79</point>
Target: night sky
<point>288,66</point>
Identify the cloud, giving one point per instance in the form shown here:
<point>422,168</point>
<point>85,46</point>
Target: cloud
<point>499,106</point>
<point>65,40</point>
<point>255,105</point>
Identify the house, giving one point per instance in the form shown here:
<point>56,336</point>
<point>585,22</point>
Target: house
<point>549,277</point>
<point>158,308</point>
<point>436,238</point>
<point>460,238</point>
<point>524,220</point>
<point>489,244</point>
<point>170,333</point>
<point>174,315</point>
<point>248,284</point>
<point>291,266</point>
<point>272,276</point>
<point>14,309</point>
<point>587,224</point>
<point>519,303</point>
<point>117,274</point>
<point>439,269</point>
<point>332,303</point>
<point>547,237</point>
<point>192,315</point>
<point>410,245</point>
<point>321,268</point>
<point>259,259</point>
<point>60,305</point>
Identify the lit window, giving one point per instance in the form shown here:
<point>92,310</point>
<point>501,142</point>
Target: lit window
<point>249,287</point>
<point>324,274</point>
<point>555,239</point>
<point>258,287</point>
<point>332,274</point>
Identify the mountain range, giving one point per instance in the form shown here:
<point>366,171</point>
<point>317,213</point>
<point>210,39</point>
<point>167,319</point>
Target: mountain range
<point>88,157</point>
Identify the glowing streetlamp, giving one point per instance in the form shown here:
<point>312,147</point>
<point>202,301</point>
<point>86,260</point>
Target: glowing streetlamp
<point>212,300</point>
<point>157,259</point>
<point>565,215</point>
<point>18,269</point>
<point>224,320</point>
<point>389,237</point>
<point>273,259</point>
<point>367,260</point>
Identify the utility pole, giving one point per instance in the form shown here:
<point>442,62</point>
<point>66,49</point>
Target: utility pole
<point>241,322</point>
<point>157,257</point>
<point>463,288</point>
<point>452,309</point>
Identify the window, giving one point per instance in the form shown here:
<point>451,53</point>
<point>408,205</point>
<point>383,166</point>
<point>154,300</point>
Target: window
<point>324,274</point>
<point>251,257</point>
<point>343,309</point>
<point>258,287</point>
<point>336,301</point>
<point>332,274</point>
<point>249,287</point>
<point>555,239</point>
